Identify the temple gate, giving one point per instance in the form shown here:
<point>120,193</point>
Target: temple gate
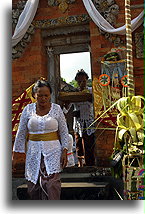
<point>65,27</point>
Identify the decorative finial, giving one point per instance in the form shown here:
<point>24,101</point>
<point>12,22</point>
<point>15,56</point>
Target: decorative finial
<point>43,78</point>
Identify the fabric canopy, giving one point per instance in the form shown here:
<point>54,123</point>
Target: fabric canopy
<point>104,25</point>
<point>24,21</point>
<point>31,6</point>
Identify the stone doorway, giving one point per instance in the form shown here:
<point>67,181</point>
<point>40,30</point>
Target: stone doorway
<point>63,40</point>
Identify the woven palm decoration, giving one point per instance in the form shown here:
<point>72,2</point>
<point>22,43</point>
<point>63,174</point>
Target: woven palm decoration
<point>17,107</point>
<point>130,123</point>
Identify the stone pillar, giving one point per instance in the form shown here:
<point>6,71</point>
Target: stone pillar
<point>53,73</point>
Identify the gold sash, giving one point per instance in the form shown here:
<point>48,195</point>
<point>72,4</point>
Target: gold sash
<point>44,137</point>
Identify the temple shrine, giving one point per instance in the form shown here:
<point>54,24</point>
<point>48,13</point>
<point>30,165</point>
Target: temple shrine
<point>55,27</point>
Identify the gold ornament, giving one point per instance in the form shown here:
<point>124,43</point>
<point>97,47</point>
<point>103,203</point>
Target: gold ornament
<point>63,6</point>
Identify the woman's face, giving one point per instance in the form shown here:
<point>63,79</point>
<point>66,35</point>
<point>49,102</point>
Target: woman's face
<point>82,82</point>
<point>43,96</point>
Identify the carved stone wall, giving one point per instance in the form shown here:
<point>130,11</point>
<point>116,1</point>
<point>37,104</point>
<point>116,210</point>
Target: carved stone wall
<point>139,43</point>
<point>62,21</point>
<point>109,9</point>
<point>62,4</point>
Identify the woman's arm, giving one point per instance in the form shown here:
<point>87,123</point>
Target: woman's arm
<point>63,129</point>
<point>64,136</point>
<point>20,139</point>
<point>19,144</point>
<point>64,158</point>
<point>15,158</point>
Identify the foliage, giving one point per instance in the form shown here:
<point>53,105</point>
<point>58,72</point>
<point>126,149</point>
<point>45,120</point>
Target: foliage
<point>89,83</point>
<point>75,85</point>
<point>130,131</point>
<point>63,79</point>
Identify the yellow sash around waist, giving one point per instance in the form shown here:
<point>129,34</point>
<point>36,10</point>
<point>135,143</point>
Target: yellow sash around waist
<point>44,137</point>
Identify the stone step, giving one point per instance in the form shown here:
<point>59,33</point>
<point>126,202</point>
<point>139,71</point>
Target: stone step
<point>85,191</point>
<point>19,173</point>
<point>75,191</point>
<point>86,183</point>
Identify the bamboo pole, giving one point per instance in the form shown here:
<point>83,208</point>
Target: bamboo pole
<point>129,63</point>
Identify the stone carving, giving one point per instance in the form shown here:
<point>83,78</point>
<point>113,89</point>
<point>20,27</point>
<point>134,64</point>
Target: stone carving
<point>18,50</point>
<point>65,31</point>
<point>109,10</point>
<point>50,51</point>
<point>114,9</point>
<point>62,4</point>
<point>61,21</point>
<point>139,42</point>
<point>52,3</point>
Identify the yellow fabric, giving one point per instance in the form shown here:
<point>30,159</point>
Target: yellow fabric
<point>109,62</point>
<point>29,93</point>
<point>44,137</point>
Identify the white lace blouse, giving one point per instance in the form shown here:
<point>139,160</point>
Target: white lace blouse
<point>86,117</point>
<point>32,123</point>
<point>70,156</point>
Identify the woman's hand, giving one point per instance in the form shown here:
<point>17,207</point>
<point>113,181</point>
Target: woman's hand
<point>17,157</point>
<point>14,161</point>
<point>64,158</point>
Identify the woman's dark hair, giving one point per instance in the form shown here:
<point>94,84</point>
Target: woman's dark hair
<point>81,73</point>
<point>76,133</point>
<point>39,84</point>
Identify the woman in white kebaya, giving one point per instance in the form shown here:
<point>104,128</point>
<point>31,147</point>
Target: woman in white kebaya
<point>45,125</point>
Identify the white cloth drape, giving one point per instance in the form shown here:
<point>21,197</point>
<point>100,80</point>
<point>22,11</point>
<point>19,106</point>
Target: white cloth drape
<point>104,25</point>
<point>31,6</point>
<point>24,21</point>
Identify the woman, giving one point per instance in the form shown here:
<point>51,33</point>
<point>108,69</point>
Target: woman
<point>44,124</point>
<point>80,149</point>
<point>84,119</point>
